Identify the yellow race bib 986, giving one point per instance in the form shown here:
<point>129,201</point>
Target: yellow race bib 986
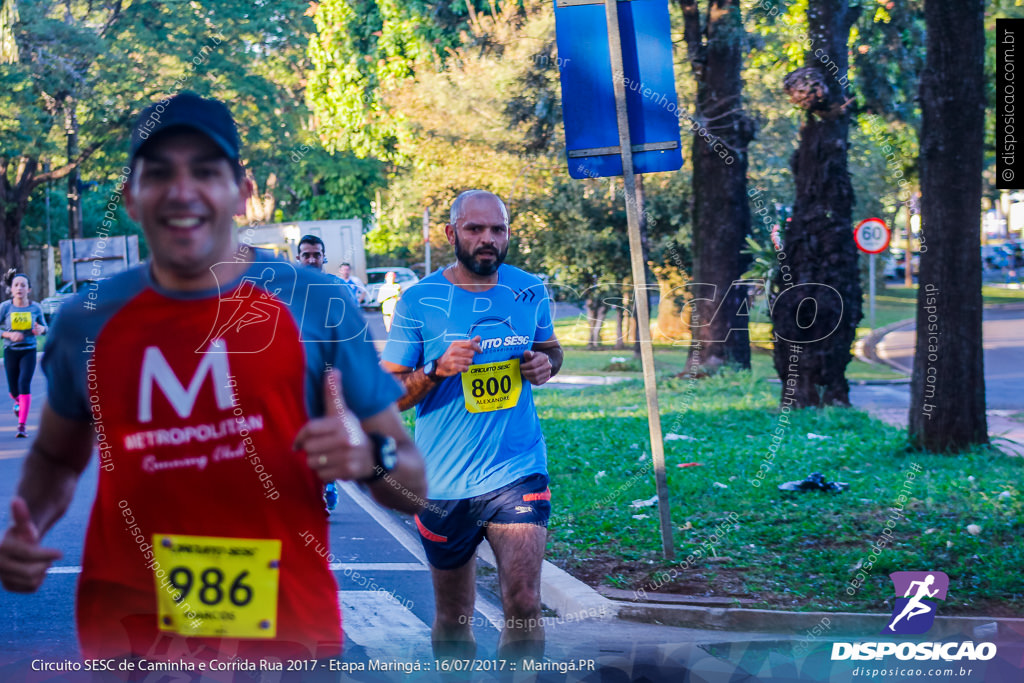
<point>215,586</point>
<point>492,386</point>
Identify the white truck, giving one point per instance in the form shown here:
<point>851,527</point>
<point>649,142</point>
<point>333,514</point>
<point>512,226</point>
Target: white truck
<point>343,241</point>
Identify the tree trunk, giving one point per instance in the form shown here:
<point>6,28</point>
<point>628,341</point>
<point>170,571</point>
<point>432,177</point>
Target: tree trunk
<point>596,310</point>
<point>14,196</point>
<point>74,177</point>
<point>721,214</point>
<point>947,411</point>
<point>620,321</point>
<point>816,313</point>
<point>10,246</point>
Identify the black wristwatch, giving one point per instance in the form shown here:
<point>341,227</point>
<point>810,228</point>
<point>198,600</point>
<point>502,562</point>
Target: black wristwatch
<point>430,370</point>
<point>385,457</point>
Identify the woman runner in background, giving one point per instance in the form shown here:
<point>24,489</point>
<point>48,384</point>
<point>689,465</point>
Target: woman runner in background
<point>21,321</point>
<point>388,295</point>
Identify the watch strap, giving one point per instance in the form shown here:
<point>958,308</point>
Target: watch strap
<point>430,370</point>
<point>379,469</point>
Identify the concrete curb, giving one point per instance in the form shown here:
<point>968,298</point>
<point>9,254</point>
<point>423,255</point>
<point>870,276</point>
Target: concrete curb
<point>570,597</point>
<point>567,595</point>
<point>837,623</point>
<point>865,348</point>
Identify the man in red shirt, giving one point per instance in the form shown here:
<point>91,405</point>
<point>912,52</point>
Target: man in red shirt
<point>214,397</point>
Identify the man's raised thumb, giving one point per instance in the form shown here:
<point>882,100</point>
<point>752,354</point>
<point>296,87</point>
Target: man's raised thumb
<point>335,406</point>
<point>334,398</point>
<point>22,525</point>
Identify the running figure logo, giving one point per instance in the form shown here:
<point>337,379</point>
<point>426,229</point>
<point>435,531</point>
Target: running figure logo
<point>252,302</point>
<point>913,613</point>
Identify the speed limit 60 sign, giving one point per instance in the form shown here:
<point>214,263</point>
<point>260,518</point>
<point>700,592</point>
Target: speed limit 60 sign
<point>872,236</point>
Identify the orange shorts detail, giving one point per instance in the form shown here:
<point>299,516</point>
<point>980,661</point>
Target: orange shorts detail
<point>427,533</point>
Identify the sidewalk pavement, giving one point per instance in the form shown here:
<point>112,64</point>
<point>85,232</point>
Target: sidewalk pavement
<point>882,348</point>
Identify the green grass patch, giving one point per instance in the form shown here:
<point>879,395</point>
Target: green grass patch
<point>893,304</point>
<point>793,551</point>
<point>668,360</point>
<point>671,360</point>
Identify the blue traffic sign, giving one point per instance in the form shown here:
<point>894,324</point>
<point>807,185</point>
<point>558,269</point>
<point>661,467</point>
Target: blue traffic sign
<point>588,97</point>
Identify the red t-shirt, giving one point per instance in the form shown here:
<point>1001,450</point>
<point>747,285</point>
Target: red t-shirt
<point>202,504</point>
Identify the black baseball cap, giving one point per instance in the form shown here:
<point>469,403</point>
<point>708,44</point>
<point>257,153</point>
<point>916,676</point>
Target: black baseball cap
<point>187,110</point>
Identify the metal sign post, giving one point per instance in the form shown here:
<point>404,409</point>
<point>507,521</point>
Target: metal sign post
<point>639,281</point>
<point>872,236</point>
<point>871,291</point>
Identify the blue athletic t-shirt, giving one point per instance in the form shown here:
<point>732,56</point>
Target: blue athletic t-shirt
<point>471,453</point>
<point>20,319</point>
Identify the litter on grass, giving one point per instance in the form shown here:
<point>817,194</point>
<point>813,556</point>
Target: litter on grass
<point>814,482</point>
<point>638,503</point>
<point>680,437</point>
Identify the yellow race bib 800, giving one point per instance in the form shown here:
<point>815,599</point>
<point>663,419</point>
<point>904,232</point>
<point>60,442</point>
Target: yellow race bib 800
<point>492,386</point>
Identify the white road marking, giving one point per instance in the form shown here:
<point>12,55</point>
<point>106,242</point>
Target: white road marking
<point>493,613</point>
<point>383,627</point>
<point>399,532</point>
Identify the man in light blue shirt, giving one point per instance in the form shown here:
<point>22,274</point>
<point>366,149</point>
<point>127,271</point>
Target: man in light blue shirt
<point>354,284</point>
<point>467,342</point>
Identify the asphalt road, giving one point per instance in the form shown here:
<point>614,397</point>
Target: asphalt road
<point>1003,343</point>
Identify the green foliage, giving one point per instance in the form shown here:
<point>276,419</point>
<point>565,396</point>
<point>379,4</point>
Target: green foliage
<point>438,97</point>
<point>465,125</point>
<point>488,116</point>
<point>764,263</point>
<point>332,186</point>
<point>577,231</point>
<point>887,55</point>
<point>109,59</point>
<point>360,49</point>
<point>95,200</point>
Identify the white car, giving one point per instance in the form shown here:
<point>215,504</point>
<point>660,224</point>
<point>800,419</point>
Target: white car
<point>51,304</point>
<point>405,277</point>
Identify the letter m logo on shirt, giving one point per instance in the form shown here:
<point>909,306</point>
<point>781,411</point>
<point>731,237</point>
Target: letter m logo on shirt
<point>157,371</point>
